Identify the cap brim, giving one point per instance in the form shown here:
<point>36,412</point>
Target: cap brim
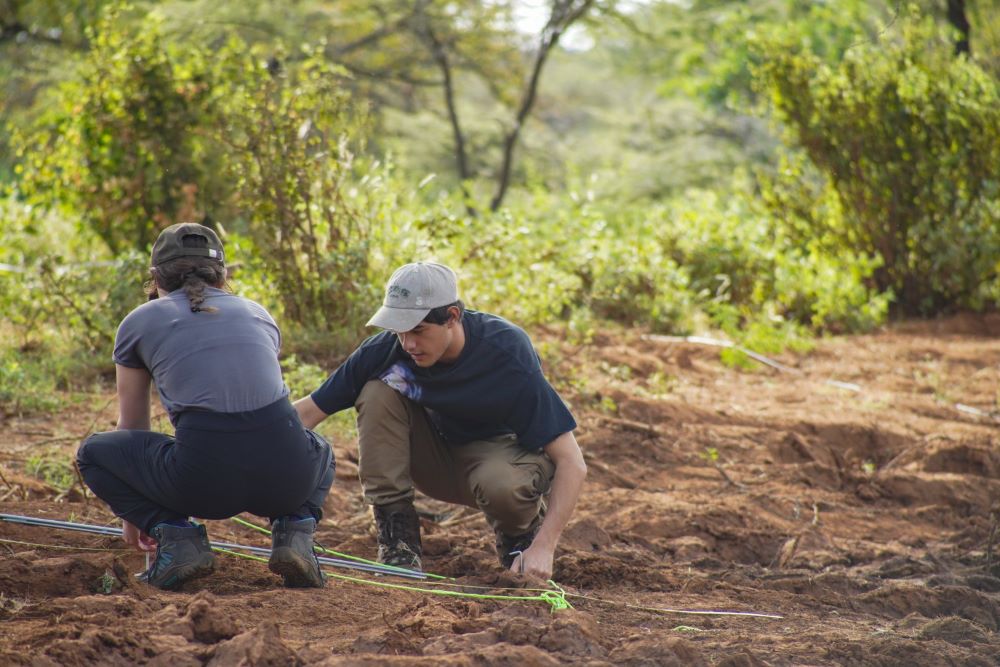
<point>398,319</point>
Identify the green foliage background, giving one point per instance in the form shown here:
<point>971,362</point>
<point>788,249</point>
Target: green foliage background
<point>767,170</point>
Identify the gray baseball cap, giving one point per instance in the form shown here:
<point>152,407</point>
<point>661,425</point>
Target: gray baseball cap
<point>411,293</point>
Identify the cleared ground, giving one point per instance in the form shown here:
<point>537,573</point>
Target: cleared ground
<point>861,516</point>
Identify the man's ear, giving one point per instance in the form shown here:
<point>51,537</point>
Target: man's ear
<point>454,314</point>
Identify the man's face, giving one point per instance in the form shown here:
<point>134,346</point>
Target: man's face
<point>427,343</point>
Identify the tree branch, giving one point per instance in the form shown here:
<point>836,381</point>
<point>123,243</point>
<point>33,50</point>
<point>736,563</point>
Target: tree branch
<point>564,14</point>
<point>960,21</point>
<point>375,36</point>
<point>12,31</point>
<point>440,54</point>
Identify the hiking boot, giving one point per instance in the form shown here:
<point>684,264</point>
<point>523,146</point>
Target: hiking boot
<point>509,547</point>
<point>292,553</point>
<point>398,535</point>
<point>182,553</point>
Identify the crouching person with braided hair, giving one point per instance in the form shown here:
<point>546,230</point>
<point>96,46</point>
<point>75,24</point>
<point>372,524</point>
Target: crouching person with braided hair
<point>238,445</point>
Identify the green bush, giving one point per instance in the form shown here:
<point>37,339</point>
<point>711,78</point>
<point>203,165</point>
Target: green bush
<point>907,138</point>
<point>55,469</point>
<point>699,261</point>
<point>119,145</point>
<point>548,258</point>
<point>289,133</point>
<point>745,265</point>
<point>301,377</point>
<point>25,387</point>
<point>62,297</point>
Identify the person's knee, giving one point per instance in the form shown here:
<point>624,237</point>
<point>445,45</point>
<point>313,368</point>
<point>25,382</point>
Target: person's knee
<point>88,449</point>
<point>378,398</point>
<point>503,490</point>
<point>375,390</point>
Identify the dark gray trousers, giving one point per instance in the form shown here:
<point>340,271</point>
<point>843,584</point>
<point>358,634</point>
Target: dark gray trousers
<point>216,465</point>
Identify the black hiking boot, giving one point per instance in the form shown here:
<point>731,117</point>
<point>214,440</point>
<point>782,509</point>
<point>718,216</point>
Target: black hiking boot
<point>292,553</point>
<point>398,535</point>
<point>508,547</point>
<point>182,553</point>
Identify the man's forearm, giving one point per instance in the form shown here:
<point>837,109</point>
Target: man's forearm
<point>564,492</point>
<point>309,413</point>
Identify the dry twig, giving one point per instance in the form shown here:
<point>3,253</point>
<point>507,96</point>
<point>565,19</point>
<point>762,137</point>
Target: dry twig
<point>629,425</point>
<point>621,479</point>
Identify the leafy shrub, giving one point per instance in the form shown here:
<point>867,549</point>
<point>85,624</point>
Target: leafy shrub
<point>301,377</point>
<point>25,387</point>
<point>907,136</point>
<point>62,297</point>
<point>149,133</point>
<point>745,265</point>
<point>547,259</point>
<point>119,144</point>
<point>289,132</point>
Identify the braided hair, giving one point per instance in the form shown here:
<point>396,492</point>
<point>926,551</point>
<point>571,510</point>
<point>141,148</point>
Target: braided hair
<point>192,274</point>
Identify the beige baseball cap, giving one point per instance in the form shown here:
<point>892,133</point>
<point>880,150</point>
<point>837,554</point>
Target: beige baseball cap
<point>412,291</point>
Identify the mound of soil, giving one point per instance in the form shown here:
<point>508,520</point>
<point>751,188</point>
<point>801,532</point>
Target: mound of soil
<point>856,499</point>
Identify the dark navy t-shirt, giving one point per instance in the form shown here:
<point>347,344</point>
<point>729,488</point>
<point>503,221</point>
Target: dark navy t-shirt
<point>495,386</point>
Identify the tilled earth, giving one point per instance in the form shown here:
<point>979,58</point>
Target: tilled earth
<point>862,511</point>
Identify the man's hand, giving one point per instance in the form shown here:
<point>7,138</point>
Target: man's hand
<point>535,561</point>
<point>137,539</point>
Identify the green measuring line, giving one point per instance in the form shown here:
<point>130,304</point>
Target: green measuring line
<point>442,580</point>
<point>60,546</point>
<point>555,599</point>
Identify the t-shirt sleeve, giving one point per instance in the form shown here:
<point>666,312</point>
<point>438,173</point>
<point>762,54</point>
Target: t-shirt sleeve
<point>127,343</point>
<point>538,415</point>
<point>342,388</point>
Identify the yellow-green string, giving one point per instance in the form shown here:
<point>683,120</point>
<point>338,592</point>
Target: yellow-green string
<point>60,546</point>
<point>555,599</point>
<point>442,580</point>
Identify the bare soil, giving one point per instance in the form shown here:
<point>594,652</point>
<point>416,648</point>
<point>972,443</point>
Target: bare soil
<point>863,517</point>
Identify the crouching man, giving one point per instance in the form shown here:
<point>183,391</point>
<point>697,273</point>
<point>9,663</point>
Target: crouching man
<point>453,402</point>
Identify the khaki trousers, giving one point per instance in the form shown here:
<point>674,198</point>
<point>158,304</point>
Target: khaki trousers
<point>400,450</point>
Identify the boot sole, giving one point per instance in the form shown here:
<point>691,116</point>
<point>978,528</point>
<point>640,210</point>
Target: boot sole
<point>178,576</point>
<point>296,571</point>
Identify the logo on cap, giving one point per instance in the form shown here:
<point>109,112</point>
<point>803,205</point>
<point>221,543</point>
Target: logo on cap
<point>397,292</point>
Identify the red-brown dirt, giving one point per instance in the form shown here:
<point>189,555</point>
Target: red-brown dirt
<point>863,518</point>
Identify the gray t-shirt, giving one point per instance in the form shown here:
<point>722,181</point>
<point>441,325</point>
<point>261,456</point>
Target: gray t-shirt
<point>226,361</point>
